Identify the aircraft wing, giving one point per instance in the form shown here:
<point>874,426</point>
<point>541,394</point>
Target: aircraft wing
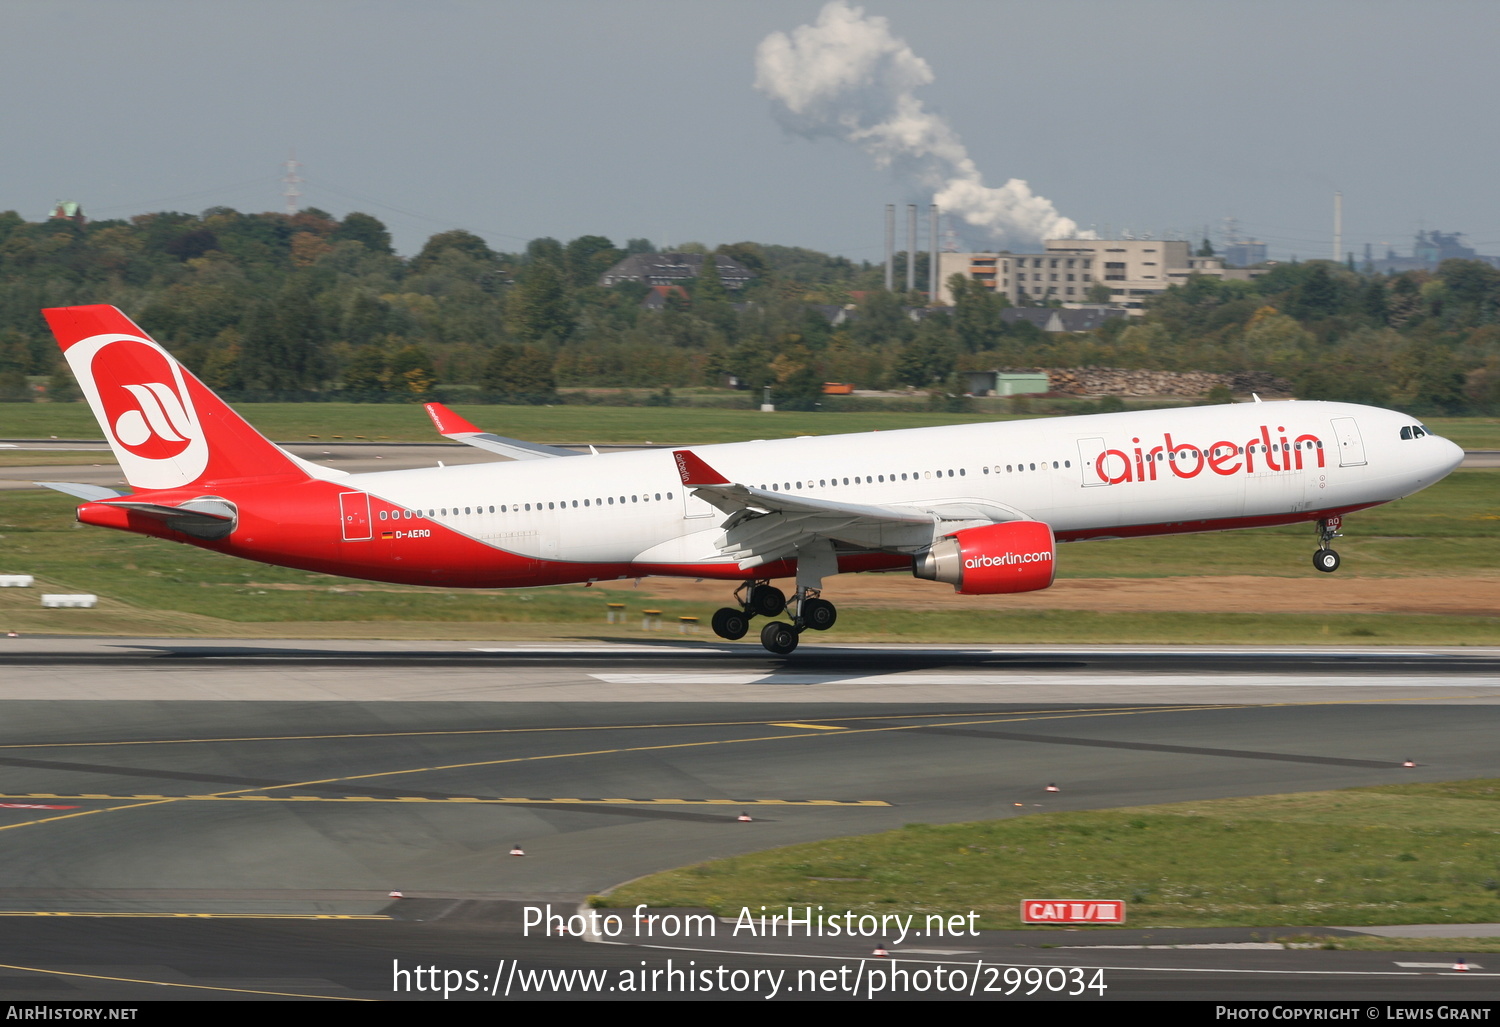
<point>766,526</point>
<point>451,426</point>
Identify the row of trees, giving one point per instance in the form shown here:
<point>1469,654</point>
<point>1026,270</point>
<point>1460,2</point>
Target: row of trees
<point>310,306</point>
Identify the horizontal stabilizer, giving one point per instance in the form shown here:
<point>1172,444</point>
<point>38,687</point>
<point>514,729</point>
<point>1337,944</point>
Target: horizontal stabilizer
<point>212,510</point>
<point>93,493</point>
<point>202,518</point>
<point>451,426</point>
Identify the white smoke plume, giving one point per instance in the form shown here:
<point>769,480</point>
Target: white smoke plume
<point>847,77</point>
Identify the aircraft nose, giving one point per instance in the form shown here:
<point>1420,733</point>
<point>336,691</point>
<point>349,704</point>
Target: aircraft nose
<point>1448,457</point>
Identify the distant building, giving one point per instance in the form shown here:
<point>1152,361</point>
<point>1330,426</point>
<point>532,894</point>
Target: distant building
<point>67,210</point>
<point>1428,251</point>
<point>660,295</point>
<point>1078,318</point>
<point>675,268</point>
<point>1244,253</point>
<point>1132,270</point>
<point>1020,277</point>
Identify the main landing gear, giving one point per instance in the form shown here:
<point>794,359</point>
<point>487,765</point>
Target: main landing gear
<point>1325,559</point>
<point>761,598</point>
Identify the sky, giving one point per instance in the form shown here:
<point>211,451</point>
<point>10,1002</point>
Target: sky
<point>651,119</point>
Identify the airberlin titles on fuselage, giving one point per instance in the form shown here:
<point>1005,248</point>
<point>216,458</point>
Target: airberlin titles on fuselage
<point>1188,460</point>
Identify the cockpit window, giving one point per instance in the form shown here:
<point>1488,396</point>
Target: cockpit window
<point>1417,432</point>
<point>1406,432</point>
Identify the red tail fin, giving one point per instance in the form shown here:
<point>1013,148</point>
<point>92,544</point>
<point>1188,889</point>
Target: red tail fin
<point>166,428</point>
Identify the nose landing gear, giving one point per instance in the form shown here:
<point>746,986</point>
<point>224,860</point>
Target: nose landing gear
<point>1325,559</point>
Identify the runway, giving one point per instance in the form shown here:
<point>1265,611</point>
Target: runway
<point>187,808</point>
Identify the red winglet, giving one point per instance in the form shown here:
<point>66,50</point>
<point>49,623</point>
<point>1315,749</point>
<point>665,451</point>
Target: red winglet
<point>447,422</point>
<point>694,471</point>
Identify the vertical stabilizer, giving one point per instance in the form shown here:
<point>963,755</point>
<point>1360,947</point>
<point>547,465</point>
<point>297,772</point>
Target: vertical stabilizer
<point>167,429</point>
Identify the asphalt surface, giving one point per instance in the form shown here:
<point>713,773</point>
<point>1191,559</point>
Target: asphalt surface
<point>239,813</point>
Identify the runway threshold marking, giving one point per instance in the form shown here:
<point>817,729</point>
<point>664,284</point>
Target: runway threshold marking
<point>177,984</point>
<point>470,800</point>
<point>1011,719</point>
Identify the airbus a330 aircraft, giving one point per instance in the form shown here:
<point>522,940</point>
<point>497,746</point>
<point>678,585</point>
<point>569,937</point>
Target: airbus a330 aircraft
<point>979,506</point>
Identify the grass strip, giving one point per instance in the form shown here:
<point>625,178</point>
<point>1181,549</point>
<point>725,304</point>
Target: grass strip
<point>1404,854</point>
<point>407,422</point>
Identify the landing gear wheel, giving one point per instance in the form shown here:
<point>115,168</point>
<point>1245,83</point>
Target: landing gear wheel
<point>817,614</point>
<point>1326,560</point>
<point>731,623</point>
<point>779,637</point>
<point>767,601</point>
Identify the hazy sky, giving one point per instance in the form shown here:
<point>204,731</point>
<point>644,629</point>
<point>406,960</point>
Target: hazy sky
<point>640,118</point>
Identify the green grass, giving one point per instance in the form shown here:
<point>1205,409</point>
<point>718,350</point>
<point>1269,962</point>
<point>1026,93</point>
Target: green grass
<point>58,458</point>
<point>155,586</point>
<point>292,422</point>
<point>1365,856</point>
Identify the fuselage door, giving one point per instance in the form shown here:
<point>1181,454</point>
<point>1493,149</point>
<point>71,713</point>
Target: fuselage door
<point>1351,445</point>
<point>354,515</point>
<point>1090,452</point>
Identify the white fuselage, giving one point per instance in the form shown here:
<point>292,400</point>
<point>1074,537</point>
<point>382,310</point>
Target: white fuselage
<point>1093,476</point>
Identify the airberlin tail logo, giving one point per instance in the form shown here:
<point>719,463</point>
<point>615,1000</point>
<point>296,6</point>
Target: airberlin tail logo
<point>139,395</point>
<point>158,421</point>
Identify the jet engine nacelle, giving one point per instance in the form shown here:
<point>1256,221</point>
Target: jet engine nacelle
<point>1016,556</point>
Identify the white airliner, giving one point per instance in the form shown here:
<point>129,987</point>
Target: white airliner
<point>979,506</point>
